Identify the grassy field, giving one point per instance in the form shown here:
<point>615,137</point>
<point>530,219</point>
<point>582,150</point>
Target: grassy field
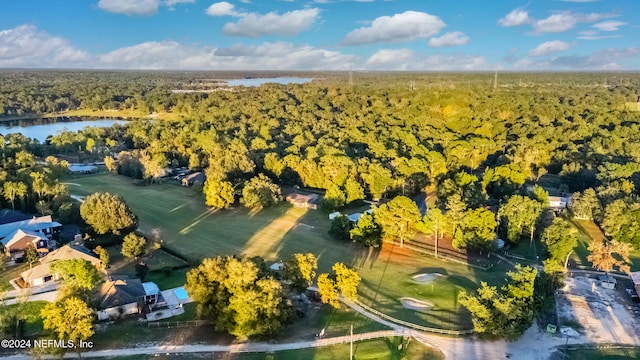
<point>189,228</point>
<point>389,277</point>
<point>603,354</point>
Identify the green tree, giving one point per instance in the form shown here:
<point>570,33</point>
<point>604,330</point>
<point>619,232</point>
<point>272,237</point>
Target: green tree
<point>76,273</point>
<point>31,255</point>
<point>622,222</point>
<point>239,295</point>
<point>133,246</point>
<point>329,293</point>
<point>260,192</point>
<point>398,218</point>
<point>340,228</point>
<point>560,238</point>
<point>520,215</point>
<point>13,190</point>
<point>379,180</point>
<point>367,231</point>
<point>70,319</point>
<point>103,254</point>
<point>434,224</point>
<point>334,198</point>
<point>477,230</point>
<point>353,191</point>
<point>107,213</point>
<point>347,281</point>
<point>300,269</point>
<point>507,313</point>
<point>218,193</point>
<point>455,213</point>
<point>541,195</point>
<point>586,205</point>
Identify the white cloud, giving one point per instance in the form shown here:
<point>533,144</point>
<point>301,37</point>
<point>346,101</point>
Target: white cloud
<point>609,25</point>
<point>276,56</point>
<point>407,59</point>
<point>406,26</point>
<point>565,20</point>
<point>515,18</point>
<point>222,9</point>
<point>550,47</point>
<point>25,46</point>
<point>595,35</point>
<point>130,7</point>
<point>455,38</point>
<point>288,24</point>
<point>605,59</point>
<point>170,3</point>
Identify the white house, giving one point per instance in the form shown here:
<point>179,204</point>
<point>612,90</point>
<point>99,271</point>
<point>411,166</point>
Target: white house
<point>559,202</point>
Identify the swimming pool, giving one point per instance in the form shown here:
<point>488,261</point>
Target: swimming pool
<point>181,293</point>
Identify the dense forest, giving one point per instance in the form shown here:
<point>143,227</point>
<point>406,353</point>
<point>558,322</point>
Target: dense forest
<point>478,140</point>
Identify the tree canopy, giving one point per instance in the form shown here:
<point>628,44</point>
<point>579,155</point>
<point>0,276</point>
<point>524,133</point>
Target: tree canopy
<point>506,313</point>
<point>107,213</point>
<point>239,296</point>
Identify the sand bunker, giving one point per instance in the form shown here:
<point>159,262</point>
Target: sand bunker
<point>426,278</point>
<point>415,304</point>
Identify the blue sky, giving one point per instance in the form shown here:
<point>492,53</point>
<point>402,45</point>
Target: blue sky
<point>321,34</point>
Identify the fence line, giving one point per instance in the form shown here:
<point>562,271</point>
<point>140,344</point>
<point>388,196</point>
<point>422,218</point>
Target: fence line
<point>412,325</point>
<point>358,337</point>
<point>446,255</point>
<point>172,324</point>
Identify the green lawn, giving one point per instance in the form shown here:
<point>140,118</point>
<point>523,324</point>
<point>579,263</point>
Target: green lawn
<point>378,349</point>
<point>604,354</point>
<point>11,273</point>
<point>387,279</point>
<point>29,312</point>
<point>587,232</point>
<point>188,227</point>
<point>383,349</point>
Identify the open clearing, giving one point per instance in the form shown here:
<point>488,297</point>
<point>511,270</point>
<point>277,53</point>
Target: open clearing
<point>178,216</point>
<point>602,313</point>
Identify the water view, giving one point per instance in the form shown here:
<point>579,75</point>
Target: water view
<point>42,131</point>
<point>260,81</point>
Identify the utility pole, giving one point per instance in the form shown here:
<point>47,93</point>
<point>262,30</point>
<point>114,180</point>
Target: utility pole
<point>495,81</point>
<point>351,343</point>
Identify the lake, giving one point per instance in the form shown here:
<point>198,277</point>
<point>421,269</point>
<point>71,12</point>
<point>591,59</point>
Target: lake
<point>260,81</point>
<point>41,131</point>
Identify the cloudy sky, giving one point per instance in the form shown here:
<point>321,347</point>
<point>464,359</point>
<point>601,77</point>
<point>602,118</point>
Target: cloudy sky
<point>321,34</point>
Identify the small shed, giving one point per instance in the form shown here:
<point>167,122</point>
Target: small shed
<point>607,281</point>
<point>334,215</point>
